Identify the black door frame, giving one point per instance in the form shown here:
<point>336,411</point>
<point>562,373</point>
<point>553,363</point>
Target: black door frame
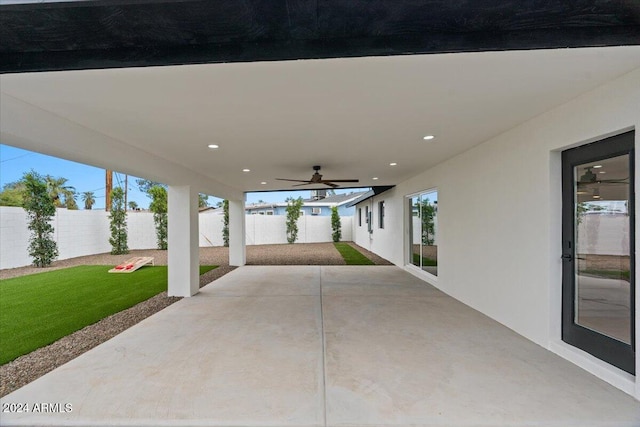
<point>610,350</point>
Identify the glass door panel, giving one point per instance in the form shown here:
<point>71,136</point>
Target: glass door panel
<point>416,231</point>
<point>423,224</point>
<point>602,277</point>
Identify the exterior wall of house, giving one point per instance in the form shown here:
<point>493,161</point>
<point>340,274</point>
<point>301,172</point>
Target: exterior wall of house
<point>84,232</point>
<point>499,218</point>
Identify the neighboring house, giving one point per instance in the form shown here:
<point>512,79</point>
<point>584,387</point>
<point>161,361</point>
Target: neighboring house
<point>316,205</point>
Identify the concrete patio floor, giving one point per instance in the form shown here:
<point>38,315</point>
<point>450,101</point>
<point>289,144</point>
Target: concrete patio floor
<point>321,346</point>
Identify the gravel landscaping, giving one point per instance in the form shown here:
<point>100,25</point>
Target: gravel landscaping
<point>29,367</point>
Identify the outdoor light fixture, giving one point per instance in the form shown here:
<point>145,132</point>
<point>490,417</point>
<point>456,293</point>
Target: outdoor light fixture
<point>428,137</point>
<point>213,146</point>
<point>246,170</point>
<point>263,183</point>
<point>597,166</point>
<point>375,178</point>
<point>393,164</point>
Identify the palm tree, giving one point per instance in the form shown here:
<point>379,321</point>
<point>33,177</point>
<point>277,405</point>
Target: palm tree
<point>57,189</point>
<point>89,199</point>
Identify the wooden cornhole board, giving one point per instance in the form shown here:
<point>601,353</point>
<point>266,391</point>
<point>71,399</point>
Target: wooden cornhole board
<point>132,264</point>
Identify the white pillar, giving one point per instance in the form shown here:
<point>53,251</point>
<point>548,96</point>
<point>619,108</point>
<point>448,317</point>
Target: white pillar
<point>237,245</point>
<point>184,257</point>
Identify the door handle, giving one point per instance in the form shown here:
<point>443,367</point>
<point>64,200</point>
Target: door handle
<point>567,257</point>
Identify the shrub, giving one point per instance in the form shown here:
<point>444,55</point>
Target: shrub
<point>40,209</point>
<point>293,213</point>
<point>225,223</point>
<point>336,225</point>
<point>118,217</point>
<point>159,208</point>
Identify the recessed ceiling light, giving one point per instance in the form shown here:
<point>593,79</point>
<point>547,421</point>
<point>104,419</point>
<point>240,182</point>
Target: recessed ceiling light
<point>393,164</point>
<point>375,178</point>
<point>428,137</point>
<point>263,183</point>
<point>602,172</point>
<point>246,170</point>
<point>597,166</point>
<point>596,196</point>
<point>213,146</point>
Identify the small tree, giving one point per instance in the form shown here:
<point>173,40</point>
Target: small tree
<point>159,208</point>
<point>203,200</point>
<point>336,225</point>
<point>118,217</point>
<point>293,213</point>
<point>89,199</point>
<point>40,209</point>
<point>225,222</point>
<point>133,205</point>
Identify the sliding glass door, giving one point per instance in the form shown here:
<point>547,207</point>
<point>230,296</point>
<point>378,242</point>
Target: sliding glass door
<point>598,248</point>
<point>423,226</point>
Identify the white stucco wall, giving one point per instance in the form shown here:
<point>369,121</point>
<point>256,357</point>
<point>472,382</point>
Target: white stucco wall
<point>499,212</point>
<point>83,232</point>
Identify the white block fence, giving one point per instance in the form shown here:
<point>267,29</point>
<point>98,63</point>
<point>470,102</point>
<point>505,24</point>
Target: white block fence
<point>84,232</point>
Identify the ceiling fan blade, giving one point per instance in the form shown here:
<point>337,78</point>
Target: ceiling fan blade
<point>294,180</point>
<point>331,184</point>
<point>338,180</point>
<point>298,185</point>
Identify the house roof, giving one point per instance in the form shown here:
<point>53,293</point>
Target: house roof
<point>335,200</point>
<point>369,194</point>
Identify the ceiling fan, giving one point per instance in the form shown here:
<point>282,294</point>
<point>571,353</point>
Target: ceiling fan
<point>316,178</point>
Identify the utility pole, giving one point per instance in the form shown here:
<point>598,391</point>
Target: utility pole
<point>126,190</point>
<point>108,188</point>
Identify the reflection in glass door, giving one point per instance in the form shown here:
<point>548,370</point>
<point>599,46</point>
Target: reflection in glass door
<point>598,227</point>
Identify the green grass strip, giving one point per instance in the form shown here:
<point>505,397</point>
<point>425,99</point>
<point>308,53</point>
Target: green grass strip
<point>351,255</point>
<point>38,309</point>
<point>426,262</point>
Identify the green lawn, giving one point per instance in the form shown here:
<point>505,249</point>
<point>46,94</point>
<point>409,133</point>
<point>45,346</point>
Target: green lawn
<point>351,255</point>
<point>38,309</point>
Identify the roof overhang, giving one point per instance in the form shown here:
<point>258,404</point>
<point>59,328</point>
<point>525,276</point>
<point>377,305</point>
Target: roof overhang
<point>371,193</point>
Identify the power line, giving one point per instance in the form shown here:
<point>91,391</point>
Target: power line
<point>17,157</point>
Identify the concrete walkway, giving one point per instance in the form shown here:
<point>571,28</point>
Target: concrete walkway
<point>320,346</point>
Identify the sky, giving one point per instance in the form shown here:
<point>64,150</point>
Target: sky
<point>15,162</point>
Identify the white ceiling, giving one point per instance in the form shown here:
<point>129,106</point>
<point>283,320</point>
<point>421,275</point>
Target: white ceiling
<point>352,116</point>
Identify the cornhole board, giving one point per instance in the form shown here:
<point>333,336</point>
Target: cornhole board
<point>132,264</point>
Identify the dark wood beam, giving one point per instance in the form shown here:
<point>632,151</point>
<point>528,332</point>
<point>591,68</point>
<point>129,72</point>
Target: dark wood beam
<point>111,33</point>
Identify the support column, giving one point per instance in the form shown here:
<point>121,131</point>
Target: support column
<point>237,245</point>
<point>184,257</point>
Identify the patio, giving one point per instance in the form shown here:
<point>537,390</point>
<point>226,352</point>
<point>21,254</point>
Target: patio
<point>321,346</point>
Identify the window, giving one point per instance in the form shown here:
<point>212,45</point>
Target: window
<point>316,211</point>
<point>423,234</point>
<point>381,214</point>
<point>269,212</point>
<point>359,217</point>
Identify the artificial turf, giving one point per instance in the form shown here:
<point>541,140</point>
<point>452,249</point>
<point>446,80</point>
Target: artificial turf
<point>38,309</point>
<point>351,255</point>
